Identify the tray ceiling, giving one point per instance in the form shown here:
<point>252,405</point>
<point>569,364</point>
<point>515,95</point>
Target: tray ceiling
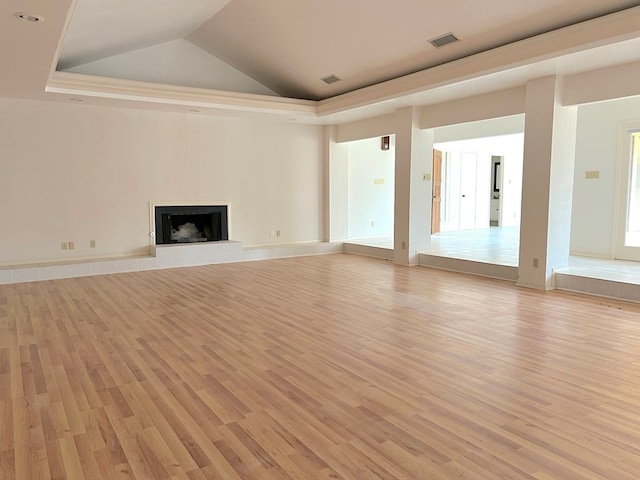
<point>290,45</point>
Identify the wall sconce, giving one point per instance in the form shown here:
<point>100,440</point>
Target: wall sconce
<point>384,143</point>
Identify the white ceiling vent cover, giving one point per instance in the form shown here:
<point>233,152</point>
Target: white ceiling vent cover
<point>444,40</point>
<point>331,79</point>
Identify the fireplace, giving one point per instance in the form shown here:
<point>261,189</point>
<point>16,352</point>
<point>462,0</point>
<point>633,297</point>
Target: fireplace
<point>191,224</point>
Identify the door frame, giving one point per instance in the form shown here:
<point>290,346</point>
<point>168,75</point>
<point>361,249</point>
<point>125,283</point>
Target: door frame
<point>619,250</point>
<point>436,191</point>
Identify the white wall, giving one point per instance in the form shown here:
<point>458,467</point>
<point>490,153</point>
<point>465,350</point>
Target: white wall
<point>592,223</point>
<point>78,173</point>
<point>512,151</point>
<point>367,128</point>
<point>178,62</point>
<point>608,83</point>
<point>480,129</point>
<point>368,201</point>
<point>495,107</point>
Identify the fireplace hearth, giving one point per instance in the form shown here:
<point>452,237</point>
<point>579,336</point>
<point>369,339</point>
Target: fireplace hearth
<point>191,224</point>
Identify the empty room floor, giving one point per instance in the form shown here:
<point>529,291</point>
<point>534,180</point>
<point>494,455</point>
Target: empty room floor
<point>335,366</point>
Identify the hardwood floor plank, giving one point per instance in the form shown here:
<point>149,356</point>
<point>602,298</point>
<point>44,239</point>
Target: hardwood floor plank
<point>106,466</point>
<point>57,470</point>
<point>352,463</point>
<point>6,425</point>
<point>401,463</point>
<point>329,367</point>
<point>102,436</point>
<point>136,458</point>
<point>7,464</point>
<point>21,441</point>
<point>279,443</point>
<point>200,446</point>
<point>71,458</point>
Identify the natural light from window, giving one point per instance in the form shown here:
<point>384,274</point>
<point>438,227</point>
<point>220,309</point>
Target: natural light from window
<point>632,237</point>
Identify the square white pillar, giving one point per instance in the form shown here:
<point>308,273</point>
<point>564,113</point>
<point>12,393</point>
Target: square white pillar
<point>412,208</point>
<point>547,183</point>
<point>336,187</point>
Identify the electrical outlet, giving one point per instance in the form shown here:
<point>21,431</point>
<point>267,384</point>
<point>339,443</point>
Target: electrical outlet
<point>592,174</point>
<point>71,245</point>
<point>404,245</point>
<point>536,262</point>
<point>64,245</point>
<point>92,244</point>
<point>426,177</point>
<point>277,233</point>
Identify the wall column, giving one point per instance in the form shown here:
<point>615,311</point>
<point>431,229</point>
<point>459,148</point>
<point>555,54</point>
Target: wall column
<point>547,183</point>
<point>412,209</point>
<point>337,187</point>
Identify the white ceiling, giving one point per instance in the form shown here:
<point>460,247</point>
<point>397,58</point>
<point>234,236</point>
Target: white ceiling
<point>101,29</point>
<point>289,45</point>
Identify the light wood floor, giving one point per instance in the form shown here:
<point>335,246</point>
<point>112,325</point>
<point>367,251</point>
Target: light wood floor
<point>329,367</point>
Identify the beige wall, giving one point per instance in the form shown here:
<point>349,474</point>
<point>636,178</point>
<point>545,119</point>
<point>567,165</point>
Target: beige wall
<point>80,173</point>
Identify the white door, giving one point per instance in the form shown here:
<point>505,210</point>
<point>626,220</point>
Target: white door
<point>627,239</point>
<point>468,182</point>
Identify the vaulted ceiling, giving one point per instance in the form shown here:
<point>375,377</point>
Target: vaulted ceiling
<point>289,46</point>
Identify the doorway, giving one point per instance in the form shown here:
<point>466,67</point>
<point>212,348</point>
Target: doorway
<point>495,217</point>
<point>481,182</point>
<point>436,192</point>
<point>469,218</point>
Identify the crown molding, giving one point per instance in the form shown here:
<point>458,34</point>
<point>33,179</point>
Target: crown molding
<point>127,90</point>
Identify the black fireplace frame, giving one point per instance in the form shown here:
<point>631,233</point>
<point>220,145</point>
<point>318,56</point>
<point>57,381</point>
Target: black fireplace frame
<point>163,234</point>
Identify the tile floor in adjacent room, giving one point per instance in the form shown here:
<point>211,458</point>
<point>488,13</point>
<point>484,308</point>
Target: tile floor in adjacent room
<point>499,245</point>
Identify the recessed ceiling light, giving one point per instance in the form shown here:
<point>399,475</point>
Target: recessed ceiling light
<point>27,17</point>
<point>76,99</point>
<point>194,110</point>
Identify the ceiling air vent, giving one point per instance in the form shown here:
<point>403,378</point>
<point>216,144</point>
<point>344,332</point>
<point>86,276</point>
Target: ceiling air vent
<point>330,79</point>
<point>444,40</point>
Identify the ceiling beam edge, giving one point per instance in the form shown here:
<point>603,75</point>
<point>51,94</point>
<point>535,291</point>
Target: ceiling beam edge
<point>610,29</point>
<point>118,89</point>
